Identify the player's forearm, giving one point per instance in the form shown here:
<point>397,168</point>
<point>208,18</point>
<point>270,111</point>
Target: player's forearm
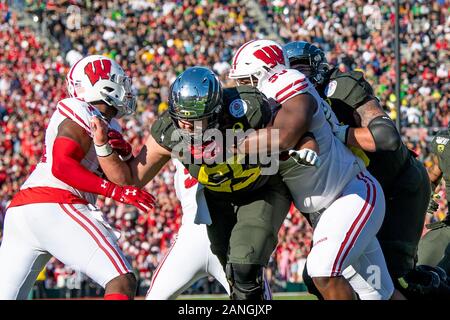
<point>147,164</point>
<point>263,141</point>
<point>361,138</point>
<point>66,166</point>
<point>116,170</point>
<point>435,176</point>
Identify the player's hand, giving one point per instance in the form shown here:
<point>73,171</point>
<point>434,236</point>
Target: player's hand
<point>99,129</point>
<point>433,205</point>
<point>305,157</point>
<point>119,144</point>
<point>139,198</point>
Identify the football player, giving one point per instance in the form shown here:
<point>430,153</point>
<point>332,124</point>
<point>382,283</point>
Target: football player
<point>371,134</point>
<point>54,212</point>
<point>434,247</point>
<point>344,203</point>
<point>246,207</point>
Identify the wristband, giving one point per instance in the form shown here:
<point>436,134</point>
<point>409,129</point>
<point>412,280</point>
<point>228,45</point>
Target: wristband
<point>103,150</point>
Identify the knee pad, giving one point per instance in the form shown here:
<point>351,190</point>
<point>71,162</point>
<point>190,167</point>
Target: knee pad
<point>246,281</point>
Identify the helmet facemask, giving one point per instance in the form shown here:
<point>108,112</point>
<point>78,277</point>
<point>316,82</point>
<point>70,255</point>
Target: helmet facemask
<point>199,125</point>
<point>119,95</point>
<point>308,59</point>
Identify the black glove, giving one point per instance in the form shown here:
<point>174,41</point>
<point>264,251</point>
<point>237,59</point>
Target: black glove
<point>433,205</point>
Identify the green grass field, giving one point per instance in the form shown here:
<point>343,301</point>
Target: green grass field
<point>276,296</point>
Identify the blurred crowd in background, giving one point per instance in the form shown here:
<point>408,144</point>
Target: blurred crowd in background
<point>155,40</point>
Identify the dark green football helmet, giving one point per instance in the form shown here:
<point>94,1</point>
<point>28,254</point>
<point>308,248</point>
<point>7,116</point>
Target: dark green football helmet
<point>302,54</point>
<point>195,95</point>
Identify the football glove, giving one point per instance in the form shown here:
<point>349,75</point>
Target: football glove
<point>118,143</point>
<point>305,157</point>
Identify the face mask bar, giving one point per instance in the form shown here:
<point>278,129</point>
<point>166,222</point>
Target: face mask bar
<point>249,80</point>
<point>128,101</point>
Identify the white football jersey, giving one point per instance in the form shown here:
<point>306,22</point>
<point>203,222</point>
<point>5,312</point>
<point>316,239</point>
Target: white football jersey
<point>312,188</point>
<point>80,112</point>
<point>186,188</point>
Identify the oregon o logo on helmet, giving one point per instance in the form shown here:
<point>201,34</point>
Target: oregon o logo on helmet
<point>238,108</point>
<point>186,113</point>
<point>98,69</point>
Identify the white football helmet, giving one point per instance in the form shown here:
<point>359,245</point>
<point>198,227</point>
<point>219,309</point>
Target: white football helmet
<point>259,59</point>
<point>99,78</point>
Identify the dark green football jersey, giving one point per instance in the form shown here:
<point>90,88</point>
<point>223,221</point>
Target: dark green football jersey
<point>345,92</point>
<point>244,108</point>
<point>440,146</point>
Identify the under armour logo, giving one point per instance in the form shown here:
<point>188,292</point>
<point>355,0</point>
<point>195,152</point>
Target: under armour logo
<point>132,192</point>
<point>104,185</point>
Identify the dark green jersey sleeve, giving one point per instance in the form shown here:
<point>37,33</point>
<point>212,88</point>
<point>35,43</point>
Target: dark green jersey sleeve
<point>349,87</point>
<point>440,147</point>
<point>247,105</point>
<point>164,133</point>
<point>434,145</point>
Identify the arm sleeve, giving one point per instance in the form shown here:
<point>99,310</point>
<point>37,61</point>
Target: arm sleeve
<point>164,133</point>
<point>384,134</point>
<point>66,166</point>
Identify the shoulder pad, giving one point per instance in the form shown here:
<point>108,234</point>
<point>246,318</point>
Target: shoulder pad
<point>349,87</point>
<point>247,104</point>
<point>162,130</point>
<point>284,85</point>
<point>78,111</point>
<point>440,141</point>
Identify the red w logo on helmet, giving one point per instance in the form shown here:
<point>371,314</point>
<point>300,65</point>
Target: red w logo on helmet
<point>271,55</point>
<point>98,69</point>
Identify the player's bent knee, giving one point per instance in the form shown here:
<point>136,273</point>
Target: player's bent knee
<point>322,283</point>
<point>124,284</point>
<point>246,281</point>
<point>308,280</point>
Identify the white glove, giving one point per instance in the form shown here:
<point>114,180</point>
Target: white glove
<point>341,132</point>
<point>305,157</point>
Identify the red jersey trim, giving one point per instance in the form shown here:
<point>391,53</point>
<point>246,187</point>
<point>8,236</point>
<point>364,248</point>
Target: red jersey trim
<point>289,86</point>
<point>291,93</point>
<point>44,195</point>
<point>74,116</point>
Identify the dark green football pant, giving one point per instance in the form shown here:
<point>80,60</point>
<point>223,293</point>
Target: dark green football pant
<point>245,225</point>
<point>434,248</point>
<point>406,205</point>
